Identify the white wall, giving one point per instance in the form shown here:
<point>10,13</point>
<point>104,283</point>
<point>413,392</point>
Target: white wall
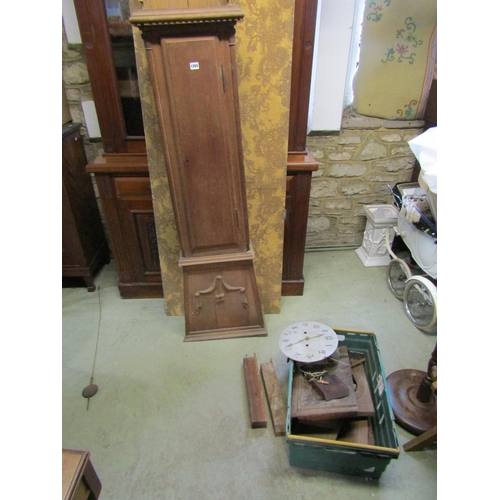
<point>337,25</point>
<point>70,22</point>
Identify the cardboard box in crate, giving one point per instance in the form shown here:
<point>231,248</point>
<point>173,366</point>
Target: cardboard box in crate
<point>346,457</point>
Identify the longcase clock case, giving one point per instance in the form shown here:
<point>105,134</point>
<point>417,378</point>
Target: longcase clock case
<point>191,57</point>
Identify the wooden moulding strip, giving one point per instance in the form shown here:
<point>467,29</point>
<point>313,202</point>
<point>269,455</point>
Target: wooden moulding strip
<point>119,163</point>
<point>227,333</point>
<point>301,162</point>
<point>216,258</point>
<point>274,397</point>
<point>152,17</point>
<point>258,415</point>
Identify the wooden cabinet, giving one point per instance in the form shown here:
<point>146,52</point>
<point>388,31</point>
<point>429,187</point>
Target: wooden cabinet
<point>125,193</point>
<point>84,245</point>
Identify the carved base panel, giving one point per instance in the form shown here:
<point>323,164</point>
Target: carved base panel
<point>221,301</point>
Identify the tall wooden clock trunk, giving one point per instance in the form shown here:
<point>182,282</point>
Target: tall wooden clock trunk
<point>191,57</point>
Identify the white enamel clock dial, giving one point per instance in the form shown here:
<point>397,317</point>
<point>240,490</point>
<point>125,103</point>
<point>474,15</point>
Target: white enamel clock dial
<point>308,341</point>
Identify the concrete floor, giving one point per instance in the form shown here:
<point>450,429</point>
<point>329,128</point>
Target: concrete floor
<point>171,419</point>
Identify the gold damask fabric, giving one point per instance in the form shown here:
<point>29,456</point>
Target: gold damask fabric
<point>264,58</point>
<point>397,58</point>
<point>263,51</point>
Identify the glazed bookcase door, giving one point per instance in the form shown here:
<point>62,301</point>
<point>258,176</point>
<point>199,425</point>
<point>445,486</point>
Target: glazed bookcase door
<point>109,54</point>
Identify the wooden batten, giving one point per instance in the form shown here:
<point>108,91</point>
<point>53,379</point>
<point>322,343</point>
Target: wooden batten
<point>275,397</point>
<point>255,393</point>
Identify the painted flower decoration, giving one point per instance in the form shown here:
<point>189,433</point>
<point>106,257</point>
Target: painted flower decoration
<point>401,49</point>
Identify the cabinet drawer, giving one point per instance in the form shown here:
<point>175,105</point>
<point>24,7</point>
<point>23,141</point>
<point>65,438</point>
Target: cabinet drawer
<point>132,186</point>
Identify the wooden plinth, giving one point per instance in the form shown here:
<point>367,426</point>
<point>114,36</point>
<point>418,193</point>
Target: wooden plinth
<point>413,415</point>
<point>221,298</point>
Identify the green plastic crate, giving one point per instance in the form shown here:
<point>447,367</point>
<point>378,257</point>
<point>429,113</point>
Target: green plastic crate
<point>368,461</point>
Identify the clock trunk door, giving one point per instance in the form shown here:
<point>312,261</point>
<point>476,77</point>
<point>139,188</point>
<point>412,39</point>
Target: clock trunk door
<point>205,161</point>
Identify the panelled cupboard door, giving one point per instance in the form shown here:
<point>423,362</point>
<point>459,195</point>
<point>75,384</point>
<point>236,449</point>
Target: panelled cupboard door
<point>139,227</point>
<point>135,209</point>
<point>196,96</point>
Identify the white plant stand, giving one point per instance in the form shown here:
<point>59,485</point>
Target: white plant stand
<point>380,219</point>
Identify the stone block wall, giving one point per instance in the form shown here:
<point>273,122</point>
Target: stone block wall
<point>76,84</point>
<point>355,167</point>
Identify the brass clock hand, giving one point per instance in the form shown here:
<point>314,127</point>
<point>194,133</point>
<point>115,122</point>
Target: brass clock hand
<point>307,338</point>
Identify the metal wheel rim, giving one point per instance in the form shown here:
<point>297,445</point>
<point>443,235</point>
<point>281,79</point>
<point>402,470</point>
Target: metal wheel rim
<point>420,304</point>
<point>398,272</point>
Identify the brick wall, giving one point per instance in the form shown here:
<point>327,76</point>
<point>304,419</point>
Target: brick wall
<point>355,167</point>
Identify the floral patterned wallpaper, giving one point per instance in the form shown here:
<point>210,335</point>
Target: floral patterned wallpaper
<point>263,51</point>
<point>397,58</point>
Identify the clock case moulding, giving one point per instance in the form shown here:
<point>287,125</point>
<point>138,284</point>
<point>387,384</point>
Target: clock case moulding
<point>191,58</point>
